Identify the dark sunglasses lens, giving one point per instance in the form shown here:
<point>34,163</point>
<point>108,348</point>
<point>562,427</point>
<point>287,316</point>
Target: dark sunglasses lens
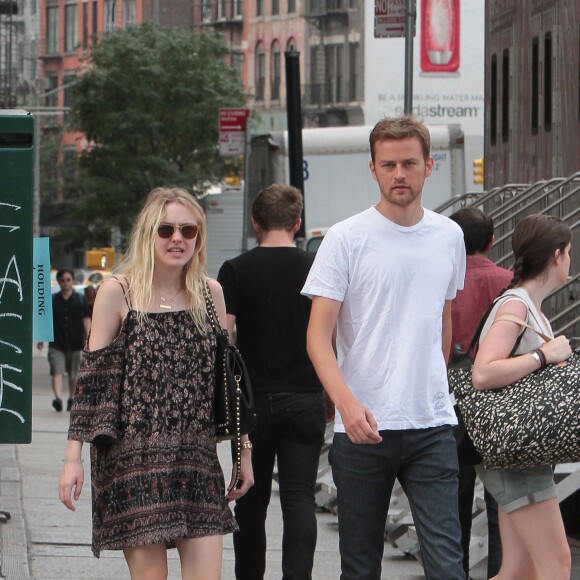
<point>165,231</point>
<point>189,232</point>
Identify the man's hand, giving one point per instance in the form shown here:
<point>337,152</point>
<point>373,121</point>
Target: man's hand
<point>359,423</point>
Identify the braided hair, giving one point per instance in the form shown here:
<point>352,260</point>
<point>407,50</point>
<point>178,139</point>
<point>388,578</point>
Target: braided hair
<point>535,239</point>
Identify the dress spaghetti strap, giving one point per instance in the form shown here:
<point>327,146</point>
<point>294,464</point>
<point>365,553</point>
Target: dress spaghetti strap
<point>125,292</point>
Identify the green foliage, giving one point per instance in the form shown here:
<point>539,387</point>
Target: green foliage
<point>148,105</point>
<point>50,145</point>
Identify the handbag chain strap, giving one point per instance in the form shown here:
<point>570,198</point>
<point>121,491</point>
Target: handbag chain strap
<point>213,318</point>
<point>210,307</point>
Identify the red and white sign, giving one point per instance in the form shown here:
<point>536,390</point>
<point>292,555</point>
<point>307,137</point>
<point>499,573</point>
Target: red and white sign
<point>233,130</point>
<point>390,18</point>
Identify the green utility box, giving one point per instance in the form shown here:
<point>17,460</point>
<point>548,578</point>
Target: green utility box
<point>16,298</point>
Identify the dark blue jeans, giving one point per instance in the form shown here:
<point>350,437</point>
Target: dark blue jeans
<point>466,492</point>
<point>290,429</point>
<point>425,463</point>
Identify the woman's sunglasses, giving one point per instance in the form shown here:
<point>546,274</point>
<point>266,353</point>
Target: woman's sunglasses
<point>188,231</point>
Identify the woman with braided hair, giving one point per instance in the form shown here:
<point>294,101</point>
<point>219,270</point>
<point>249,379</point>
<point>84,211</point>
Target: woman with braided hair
<point>532,532</point>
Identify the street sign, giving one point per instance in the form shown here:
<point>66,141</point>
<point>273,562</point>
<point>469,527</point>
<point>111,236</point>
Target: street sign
<point>233,130</point>
<point>390,18</point>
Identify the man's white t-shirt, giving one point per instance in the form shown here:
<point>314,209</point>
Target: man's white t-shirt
<point>393,282</point>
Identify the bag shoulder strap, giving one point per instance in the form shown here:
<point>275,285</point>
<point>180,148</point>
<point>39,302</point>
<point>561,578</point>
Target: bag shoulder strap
<point>483,320</point>
<point>517,320</point>
<point>211,310</point>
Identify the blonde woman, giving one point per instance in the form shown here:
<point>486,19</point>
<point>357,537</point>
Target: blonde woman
<point>144,402</point>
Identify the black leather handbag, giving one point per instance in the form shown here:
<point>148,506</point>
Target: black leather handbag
<point>233,403</point>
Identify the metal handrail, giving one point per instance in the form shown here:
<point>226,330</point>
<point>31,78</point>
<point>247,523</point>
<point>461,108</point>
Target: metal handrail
<point>530,192</point>
<point>525,198</point>
<point>522,210</point>
<point>459,198</point>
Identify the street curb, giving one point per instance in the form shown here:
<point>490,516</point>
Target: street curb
<point>13,542</point>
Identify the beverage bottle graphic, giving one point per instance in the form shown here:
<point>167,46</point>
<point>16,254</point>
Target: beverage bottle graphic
<point>439,35</point>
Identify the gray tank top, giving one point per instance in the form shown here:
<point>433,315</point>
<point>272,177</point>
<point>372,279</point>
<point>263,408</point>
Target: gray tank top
<point>530,340</point>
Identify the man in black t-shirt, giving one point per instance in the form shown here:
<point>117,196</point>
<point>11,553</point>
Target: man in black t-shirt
<point>267,319</point>
<point>71,321</point>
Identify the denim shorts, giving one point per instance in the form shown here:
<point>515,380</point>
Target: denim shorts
<point>517,488</point>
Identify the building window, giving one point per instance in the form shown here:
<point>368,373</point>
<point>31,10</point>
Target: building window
<point>129,12</point>
<point>505,96</point>
<point>85,16</point>
<point>52,30</point>
<point>238,8</point>
<point>68,80</point>
<point>259,7</point>
<point>493,101</point>
<point>548,82</point>
<point>333,73</point>
<point>276,72</point>
<point>238,62</point>
<point>275,7</point>
<point>314,92</point>
<point>51,98</point>
<point>70,28</point>
<point>291,6</point>
<point>260,72</point>
<point>109,9</point>
<point>206,11</point>
<point>353,53</point>
<point>221,9</point>
<point>95,18</point>
<point>535,84</point>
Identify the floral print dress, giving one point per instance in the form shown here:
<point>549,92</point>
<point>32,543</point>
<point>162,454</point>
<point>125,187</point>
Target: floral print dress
<point>145,405</point>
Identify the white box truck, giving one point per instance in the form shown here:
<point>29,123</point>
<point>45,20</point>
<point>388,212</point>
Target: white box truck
<point>337,183</point>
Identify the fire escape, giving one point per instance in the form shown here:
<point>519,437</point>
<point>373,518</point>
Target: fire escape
<point>333,89</point>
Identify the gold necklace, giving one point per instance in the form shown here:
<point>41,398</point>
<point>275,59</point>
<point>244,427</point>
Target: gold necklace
<point>167,303</point>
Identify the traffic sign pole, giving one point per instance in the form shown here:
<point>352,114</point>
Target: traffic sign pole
<point>410,16</point>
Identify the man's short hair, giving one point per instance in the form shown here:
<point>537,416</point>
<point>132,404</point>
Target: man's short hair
<point>397,128</point>
<point>277,207</point>
<point>477,229</point>
<point>62,272</point>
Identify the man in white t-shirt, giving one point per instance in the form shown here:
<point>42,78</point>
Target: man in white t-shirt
<point>385,278</point>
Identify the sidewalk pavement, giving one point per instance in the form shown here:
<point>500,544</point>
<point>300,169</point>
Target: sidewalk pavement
<point>45,541</point>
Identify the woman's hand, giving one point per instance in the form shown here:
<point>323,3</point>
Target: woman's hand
<point>71,476</point>
<point>246,477</point>
<point>557,350</point>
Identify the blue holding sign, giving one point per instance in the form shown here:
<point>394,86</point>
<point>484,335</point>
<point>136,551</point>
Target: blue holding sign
<point>42,327</point>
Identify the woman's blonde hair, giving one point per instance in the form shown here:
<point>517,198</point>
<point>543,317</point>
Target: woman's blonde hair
<point>139,261</point>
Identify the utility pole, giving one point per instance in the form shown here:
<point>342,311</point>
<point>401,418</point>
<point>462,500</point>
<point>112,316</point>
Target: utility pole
<point>410,18</point>
<point>294,114</point>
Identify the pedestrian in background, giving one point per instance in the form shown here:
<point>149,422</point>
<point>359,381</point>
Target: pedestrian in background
<point>155,475</point>
<point>532,531</point>
<point>71,323</point>
<point>386,278</point>
<point>483,282</point>
<point>90,295</point>
<point>267,318</point>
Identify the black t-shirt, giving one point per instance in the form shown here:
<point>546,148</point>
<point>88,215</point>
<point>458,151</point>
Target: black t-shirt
<point>67,320</point>
<point>262,290</point>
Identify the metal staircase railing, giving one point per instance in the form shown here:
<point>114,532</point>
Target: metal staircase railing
<point>507,204</point>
